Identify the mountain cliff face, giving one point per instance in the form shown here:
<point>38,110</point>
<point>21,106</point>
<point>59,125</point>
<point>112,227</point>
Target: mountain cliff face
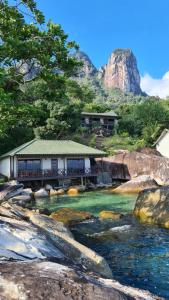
<point>88,69</point>
<point>121,72</point>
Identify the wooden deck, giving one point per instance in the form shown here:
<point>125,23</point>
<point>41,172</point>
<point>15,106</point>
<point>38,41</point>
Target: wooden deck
<point>27,175</point>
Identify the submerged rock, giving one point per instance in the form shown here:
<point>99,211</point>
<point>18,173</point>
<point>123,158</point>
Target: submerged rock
<point>108,214</point>
<point>70,216</point>
<point>152,206</point>
<point>48,280</point>
<point>136,185</point>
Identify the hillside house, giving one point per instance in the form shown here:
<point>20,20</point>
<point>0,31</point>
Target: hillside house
<point>100,123</point>
<point>50,160</point>
<point>162,143</point>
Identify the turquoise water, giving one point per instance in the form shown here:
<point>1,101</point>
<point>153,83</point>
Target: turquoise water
<point>137,254</point>
<point>93,202</point>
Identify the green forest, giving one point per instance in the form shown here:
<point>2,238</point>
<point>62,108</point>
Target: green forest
<point>39,93</point>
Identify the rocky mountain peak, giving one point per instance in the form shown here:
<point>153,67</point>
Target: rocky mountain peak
<point>121,72</point>
<point>88,69</point>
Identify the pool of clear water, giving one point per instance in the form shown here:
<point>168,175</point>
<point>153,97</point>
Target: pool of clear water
<point>137,254</point>
<point>93,202</point>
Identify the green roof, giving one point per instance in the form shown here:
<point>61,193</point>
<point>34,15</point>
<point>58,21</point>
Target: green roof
<point>105,114</point>
<point>54,147</point>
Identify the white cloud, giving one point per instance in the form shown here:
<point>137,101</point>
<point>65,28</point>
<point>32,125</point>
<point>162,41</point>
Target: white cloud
<point>156,87</point>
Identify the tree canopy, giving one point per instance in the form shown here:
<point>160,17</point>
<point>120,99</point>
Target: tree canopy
<point>37,92</point>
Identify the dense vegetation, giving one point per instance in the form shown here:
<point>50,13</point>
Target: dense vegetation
<point>39,95</point>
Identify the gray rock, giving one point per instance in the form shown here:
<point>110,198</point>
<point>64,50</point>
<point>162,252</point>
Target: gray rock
<point>88,69</point>
<point>21,199</point>
<point>9,190</point>
<point>48,187</point>
<point>71,248</point>
<point>20,240</point>
<point>48,280</point>
<point>41,193</point>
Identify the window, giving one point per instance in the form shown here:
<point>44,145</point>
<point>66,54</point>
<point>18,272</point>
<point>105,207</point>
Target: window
<point>34,164</point>
<point>75,165</point>
<point>54,163</point>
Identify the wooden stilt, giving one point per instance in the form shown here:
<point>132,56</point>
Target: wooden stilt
<point>82,183</point>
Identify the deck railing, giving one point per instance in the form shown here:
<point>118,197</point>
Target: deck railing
<point>56,173</point>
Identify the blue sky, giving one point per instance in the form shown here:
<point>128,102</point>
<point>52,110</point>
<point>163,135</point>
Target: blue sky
<point>99,26</point>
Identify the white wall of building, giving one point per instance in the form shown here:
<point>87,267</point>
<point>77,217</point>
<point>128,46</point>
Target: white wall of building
<point>87,163</point>
<point>163,145</point>
<point>5,167</point>
<point>46,164</point>
<point>61,163</point>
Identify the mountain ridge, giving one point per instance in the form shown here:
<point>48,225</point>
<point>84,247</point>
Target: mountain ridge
<point>120,72</point>
<point>121,83</point>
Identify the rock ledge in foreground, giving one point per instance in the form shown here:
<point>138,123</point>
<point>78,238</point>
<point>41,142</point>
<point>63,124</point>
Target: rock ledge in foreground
<point>48,280</point>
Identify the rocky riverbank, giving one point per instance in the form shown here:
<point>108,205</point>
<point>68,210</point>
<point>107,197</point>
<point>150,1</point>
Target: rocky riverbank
<point>40,259</point>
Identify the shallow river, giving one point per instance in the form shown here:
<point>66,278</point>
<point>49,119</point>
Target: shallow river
<point>138,255</point>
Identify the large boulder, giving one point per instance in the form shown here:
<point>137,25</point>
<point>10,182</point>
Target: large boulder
<point>136,185</point>
<point>41,233</point>
<point>70,215</point>
<point>49,280</point>
<point>23,241</point>
<point>152,206</point>
<point>72,249</point>
<point>133,164</point>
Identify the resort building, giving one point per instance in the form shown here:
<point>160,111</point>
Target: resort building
<point>50,160</point>
<point>100,123</point>
<point>162,143</point>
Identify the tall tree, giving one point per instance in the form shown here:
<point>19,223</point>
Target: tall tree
<point>36,57</point>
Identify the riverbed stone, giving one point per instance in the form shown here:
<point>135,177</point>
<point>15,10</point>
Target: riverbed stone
<point>108,214</point>
<point>70,216</point>
<point>61,191</point>
<point>53,192</point>
<point>152,206</point>
<point>41,193</point>
<point>136,185</point>
<point>72,191</point>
